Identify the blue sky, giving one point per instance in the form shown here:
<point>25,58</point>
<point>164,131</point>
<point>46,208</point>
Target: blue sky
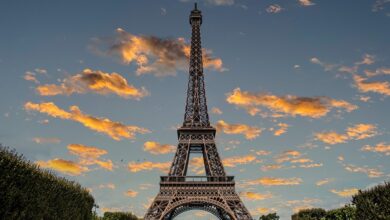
<point>297,89</point>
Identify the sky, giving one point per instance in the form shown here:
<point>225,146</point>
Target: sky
<point>298,91</point>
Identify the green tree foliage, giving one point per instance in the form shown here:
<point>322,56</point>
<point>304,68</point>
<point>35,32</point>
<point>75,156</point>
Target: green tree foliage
<point>373,203</point>
<point>310,214</point>
<point>119,216</point>
<point>270,216</point>
<point>347,212</point>
<point>28,192</point>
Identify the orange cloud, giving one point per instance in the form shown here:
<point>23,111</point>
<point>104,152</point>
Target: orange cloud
<point>238,160</point>
<point>148,165</point>
<point>115,130</point>
<point>161,57</point>
<point>42,140</point>
<point>216,111</point>
<point>370,172</point>
<point>89,155</point>
<point>64,166</point>
<point>272,181</point>
<point>379,71</point>
<point>380,87</point>
<point>356,132</point>
<point>248,131</point>
<point>131,193</point>
<point>263,152</point>
<point>256,196</point>
<point>313,107</point>
<point>157,148</point>
<point>379,148</point>
<point>345,192</point>
<point>311,165</point>
<point>30,76</point>
<point>282,129</point>
<point>271,167</point>
<point>93,81</point>
<point>287,156</point>
<point>306,2</point>
<point>323,181</point>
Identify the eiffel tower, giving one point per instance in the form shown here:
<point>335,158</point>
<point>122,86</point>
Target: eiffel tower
<point>214,193</point>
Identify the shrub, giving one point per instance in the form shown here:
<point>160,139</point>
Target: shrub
<point>271,216</point>
<point>373,203</point>
<point>28,192</point>
<point>119,216</point>
<point>309,214</point>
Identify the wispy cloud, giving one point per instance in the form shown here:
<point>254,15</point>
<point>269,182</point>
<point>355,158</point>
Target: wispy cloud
<point>152,55</point>
<point>135,167</point>
<point>282,129</point>
<point>306,3</point>
<point>94,81</point>
<point>274,181</point>
<point>356,132</point>
<point>381,148</point>
<point>216,111</point>
<point>43,140</point>
<point>370,172</point>
<point>379,5</point>
<point>90,155</point>
<point>64,166</point>
<point>345,192</point>
<point>131,193</point>
<point>380,87</point>
<point>220,2</point>
<point>238,160</point>
<point>256,196</point>
<point>157,148</point>
<point>274,9</point>
<point>281,106</point>
<point>248,131</point>
<point>323,181</point>
<point>115,130</point>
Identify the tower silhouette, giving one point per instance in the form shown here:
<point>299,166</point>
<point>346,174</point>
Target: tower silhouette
<point>215,192</point>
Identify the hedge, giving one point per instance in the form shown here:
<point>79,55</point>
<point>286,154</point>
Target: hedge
<point>119,216</point>
<point>373,203</point>
<point>28,192</point>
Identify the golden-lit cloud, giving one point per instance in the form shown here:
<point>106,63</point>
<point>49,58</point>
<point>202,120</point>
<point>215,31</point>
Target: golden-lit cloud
<point>311,165</point>
<point>345,192</point>
<point>306,2</point>
<point>370,172</point>
<point>64,166</point>
<point>238,160</point>
<point>157,148</point>
<point>274,9</point>
<point>287,156</point>
<point>89,155</point>
<point>379,71</point>
<point>152,55</point>
<point>262,211</point>
<point>93,81</point>
<point>282,129</point>
<point>131,193</point>
<point>271,167</point>
<point>280,106</point>
<point>263,153</point>
<point>256,196</point>
<point>382,148</point>
<point>273,181</point>
<point>355,132</point>
<point>115,130</point>
<point>216,111</point>
<point>43,140</point>
<point>148,165</point>
<point>30,76</point>
<point>248,131</point>
<point>323,181</point>
<point>367,59</point>
<point>380,87</point>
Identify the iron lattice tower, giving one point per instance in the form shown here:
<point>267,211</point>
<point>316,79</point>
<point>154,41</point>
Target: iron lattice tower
<point>215,192</point>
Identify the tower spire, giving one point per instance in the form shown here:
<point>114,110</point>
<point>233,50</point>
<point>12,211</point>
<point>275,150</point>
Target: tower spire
<point>196,114</point>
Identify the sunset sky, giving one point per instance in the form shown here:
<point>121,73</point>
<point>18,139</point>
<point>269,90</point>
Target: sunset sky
<point>298,91</point>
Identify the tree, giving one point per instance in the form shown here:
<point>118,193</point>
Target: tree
<point>310,214</point>
<point>270,216</point>
<point>119,216</point>
<point>347,212</point>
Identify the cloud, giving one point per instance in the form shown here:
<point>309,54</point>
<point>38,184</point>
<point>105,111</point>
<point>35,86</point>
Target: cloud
<point>216,111</point>
<point>379,71</point>
<point>379,148</point>
<point>220,2</point>
<point>326,66</point>
<point>238,160</point>
<point>157,148</point>
<point>379,5</point>
<point>93,81</point>
<point>30,76</point>
<point>42,140</point>
<point>89,155</point>
<point>256,196</point>
<point>287,156</point>
<point>366,60</point>
<point>131,193</point>
<point>271,167</point>
<point>152,55</point>
<point>282,129</point>
<point>306,2</point>
<point>313,107</point>
<point>263,153</point>
<point>323,181</point>
<point>248,131</point>
<point>380,87</point>
<point>311,165</point>
<point>356,132</point>
<point>135,167</point>
<point>115,130</point>
<point>370,172</point>
<point>272,181</point>
<point>274,9</point>
<point>64,166</point>
<point>345,192</point>
<point>107,186</point>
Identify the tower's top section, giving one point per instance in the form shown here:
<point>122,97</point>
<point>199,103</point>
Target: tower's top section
<point>196,115</point>
<point>196,15</point>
